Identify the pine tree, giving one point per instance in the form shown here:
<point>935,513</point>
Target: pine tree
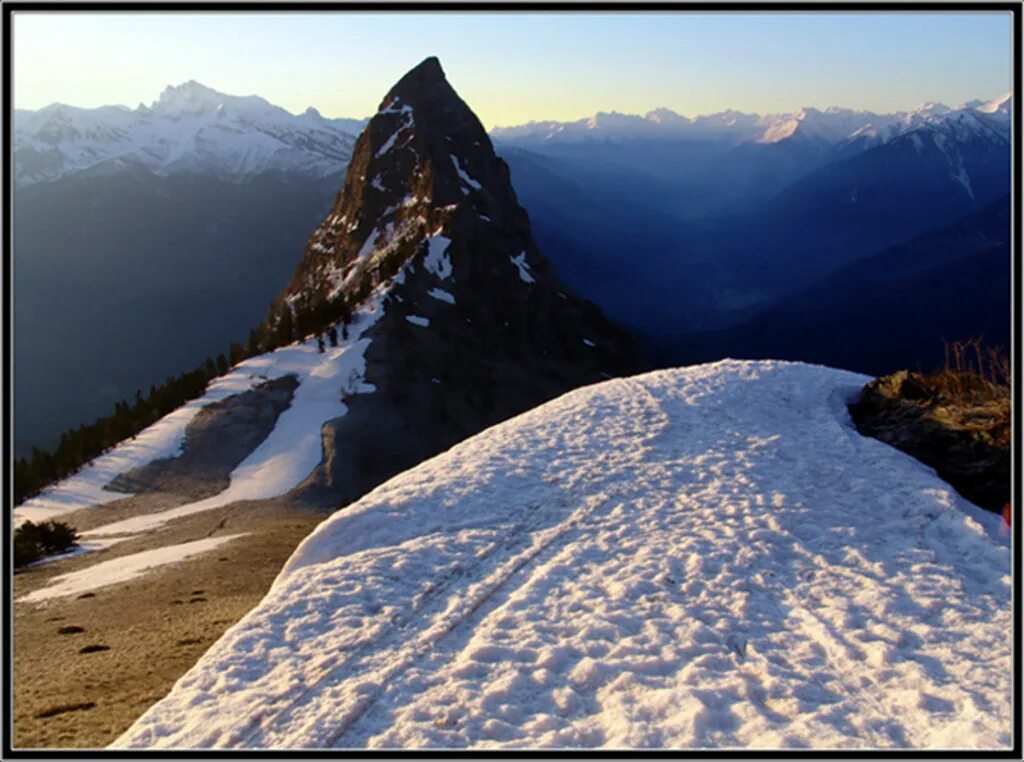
<point>285,329</point>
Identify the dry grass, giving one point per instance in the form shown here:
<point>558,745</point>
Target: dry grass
<point>973,374</point>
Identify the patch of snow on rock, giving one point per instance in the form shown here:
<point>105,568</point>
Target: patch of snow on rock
<point>463,175</point>
<point>441,295</point>
<point>523,267</point>
<point>368,244</point>
<point>436,261</point>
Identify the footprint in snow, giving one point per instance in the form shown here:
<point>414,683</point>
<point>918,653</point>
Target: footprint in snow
<point>737,644</point>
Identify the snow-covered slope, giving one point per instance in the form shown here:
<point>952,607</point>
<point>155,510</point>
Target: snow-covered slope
<point>189,128</point>
<point>284,458</point>
<point>831,126</point>
<point>703,557</point>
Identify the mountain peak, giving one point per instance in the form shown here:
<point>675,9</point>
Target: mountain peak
<point>190,96</point>
<point>997,105</point>
<point>420,82</point>
<point>665,116</point>
<point>423,159</point>
<point>472,324</point>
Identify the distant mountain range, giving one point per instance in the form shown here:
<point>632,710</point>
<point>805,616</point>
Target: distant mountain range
<point>190,128</point>
<point>834,125</point>
<point>193,128</point>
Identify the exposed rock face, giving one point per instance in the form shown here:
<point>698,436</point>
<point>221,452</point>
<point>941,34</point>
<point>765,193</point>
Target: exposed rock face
<point>966,440</point>
<point>477,326</point>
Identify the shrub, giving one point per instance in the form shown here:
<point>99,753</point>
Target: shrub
<point>25,550</point>
<point>33,541</point>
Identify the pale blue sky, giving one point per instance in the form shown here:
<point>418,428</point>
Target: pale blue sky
<point>513,67</point>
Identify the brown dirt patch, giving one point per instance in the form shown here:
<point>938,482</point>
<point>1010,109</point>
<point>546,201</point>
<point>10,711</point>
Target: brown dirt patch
<point>64,698</point>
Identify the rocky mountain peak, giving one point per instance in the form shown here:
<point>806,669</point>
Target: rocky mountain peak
<point>473,325</point>
<point>189,96</point>
<point>423,162</point>
<point>424,82</point>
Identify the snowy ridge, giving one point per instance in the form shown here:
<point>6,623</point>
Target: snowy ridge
<point>831,126</point>
<point>701,557</point>
<point>190,128</point>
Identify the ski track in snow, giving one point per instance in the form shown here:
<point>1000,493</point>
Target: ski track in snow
<point>703,557</point>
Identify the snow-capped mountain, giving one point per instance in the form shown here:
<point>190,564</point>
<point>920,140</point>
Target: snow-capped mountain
<point>190,128</point>
<point>831,126</point>
<point>706,557</point>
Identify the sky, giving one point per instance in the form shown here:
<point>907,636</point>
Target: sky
<point>516,67</point>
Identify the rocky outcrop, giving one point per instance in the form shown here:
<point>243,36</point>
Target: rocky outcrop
<point>476,325</point>
<point>965,436</point>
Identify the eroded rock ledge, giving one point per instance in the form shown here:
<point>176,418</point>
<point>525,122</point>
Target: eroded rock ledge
<point>958,424</point>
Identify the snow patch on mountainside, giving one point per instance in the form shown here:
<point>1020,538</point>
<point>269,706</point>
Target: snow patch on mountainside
<point>123,569</point>
<point>437,260</point>
<point>164,439</point>
<point>523,267</point>
<point>703,557</point>
<point>294,448</point>
<point>280,463</point>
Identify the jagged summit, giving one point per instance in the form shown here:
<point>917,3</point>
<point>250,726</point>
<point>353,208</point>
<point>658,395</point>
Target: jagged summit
<point>192,96</point>
<point>190,128</point>
<point>421,83</point>
<point>475,325</point>
<point>423,164</point>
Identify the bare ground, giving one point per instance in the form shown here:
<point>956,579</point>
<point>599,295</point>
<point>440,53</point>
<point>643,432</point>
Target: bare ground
<point>150,630</point>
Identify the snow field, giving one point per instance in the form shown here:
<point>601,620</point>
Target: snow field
<point>702,557</point>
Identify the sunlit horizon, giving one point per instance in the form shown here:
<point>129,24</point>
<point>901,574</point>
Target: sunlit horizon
<point>514,68</point>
